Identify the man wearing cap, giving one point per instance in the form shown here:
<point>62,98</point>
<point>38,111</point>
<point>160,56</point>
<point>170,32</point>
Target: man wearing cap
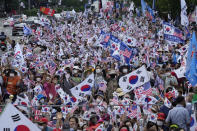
<point>179,115</point>
<point>75,79</point>
<point>42,124</point>
<point>161,121</point>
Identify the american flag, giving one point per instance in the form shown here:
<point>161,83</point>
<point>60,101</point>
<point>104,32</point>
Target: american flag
<point>178,33</point>
<point>115,101</point>
<point>37,115</point>
<point>133,111</point>
<point>115,27</point>
<point>147,89</point>
<point>161,87</point>
<point>160,83</point>
<point>50,124</point>
<point>52,68</point>
<point>144,90</point>
<point>126,53</point>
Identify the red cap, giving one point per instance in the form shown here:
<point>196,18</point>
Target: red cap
<point>168,95</point>
<point>44,120</point>
<point>160,116</point>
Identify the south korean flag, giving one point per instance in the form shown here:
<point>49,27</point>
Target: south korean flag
<point>134,79</point>
<point>84,88</point>
<point>13,120</point>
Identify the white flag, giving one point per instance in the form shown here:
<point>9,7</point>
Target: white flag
<point>18,61</point>
<point>180,72</point>
<point>22,103</point>
<point>167,103</point>
<point>134,79</point>
<point>184,18</point>
<point>83,88</point>
<point>147,100</point>
<point>152,117</point>
<point>193,123</point>
<point>13,120</point>
<point>61,53</point>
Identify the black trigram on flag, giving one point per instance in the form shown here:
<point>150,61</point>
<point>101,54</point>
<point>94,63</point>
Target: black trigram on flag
<point>16,118</point>
<point>6,129</point>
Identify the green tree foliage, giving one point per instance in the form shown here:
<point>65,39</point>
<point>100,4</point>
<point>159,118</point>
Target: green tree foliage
<point>31,12</point>
<point>172,7</point>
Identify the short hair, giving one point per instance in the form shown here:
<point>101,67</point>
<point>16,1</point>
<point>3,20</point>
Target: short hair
<point>125,122</point>
<point>151,124</point>
<point>76,119</point>
<point>124,126</point>
<point>179,99</point>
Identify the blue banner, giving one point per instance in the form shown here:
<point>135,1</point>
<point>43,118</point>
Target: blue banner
<point>173,34</point>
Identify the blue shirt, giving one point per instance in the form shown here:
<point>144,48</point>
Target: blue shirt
<point>179,116</point>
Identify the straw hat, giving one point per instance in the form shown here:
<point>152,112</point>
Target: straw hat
<point>112,72</point>
<point>41,71</point>
<point>119,92</point>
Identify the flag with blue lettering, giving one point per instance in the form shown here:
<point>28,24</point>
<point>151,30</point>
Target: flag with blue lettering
<point>191,70</point>
<point>119,50</point>
<point>103,40</point>
<point>153,6</point>
<point>189,52</point>
<point>150,14</point>
<point>187,33</point>
<point>144,5</point>
<point>184,18</point>
<point>27,31</point>
<point>173,34</point>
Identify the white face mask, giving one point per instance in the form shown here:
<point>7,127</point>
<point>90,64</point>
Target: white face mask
<point>42,101</point>
<point>168,74</point>
<point>159,123</point>
<point>98,71</point>
<point>43,53</point>
<point>48,78</point>
<point>75,71</point>
<point>98,100</point>
<point>38,79</point>
<point>124,70</point>
<point>11,74</point>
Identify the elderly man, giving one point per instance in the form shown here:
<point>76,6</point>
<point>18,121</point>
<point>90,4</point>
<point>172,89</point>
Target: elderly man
<point>179,115</point>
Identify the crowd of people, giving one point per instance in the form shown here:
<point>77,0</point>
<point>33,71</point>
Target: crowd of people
<point>60,55</point>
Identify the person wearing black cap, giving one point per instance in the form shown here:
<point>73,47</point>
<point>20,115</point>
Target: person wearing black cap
<point>179,115</point>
